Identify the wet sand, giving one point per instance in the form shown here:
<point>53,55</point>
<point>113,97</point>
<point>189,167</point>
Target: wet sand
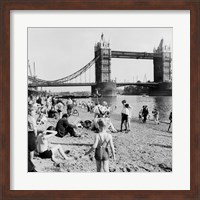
<point>146,148</point>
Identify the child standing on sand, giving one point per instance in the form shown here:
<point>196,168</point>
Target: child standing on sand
<point>124,118</point>
<point>156,116</point>
<point>102,140</point>
<point>128,113</point>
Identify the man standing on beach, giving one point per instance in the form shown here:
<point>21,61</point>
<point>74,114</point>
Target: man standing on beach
<point>124,118</point>
<point>145,113</point>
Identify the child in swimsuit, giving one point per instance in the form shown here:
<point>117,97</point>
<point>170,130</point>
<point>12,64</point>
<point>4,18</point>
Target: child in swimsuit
<point>102,140</point>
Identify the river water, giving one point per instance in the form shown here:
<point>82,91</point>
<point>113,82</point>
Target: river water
<point>162,103</point>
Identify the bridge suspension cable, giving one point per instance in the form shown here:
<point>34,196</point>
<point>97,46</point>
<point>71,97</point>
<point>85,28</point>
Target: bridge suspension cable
<point>67,78</point>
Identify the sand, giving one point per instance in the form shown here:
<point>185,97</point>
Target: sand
<point>146,148</point>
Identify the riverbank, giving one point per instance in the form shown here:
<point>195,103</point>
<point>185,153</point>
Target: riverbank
<point>146,148</point>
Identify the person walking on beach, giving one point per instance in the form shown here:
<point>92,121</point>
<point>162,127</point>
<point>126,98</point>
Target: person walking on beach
<point>170,123</point>
<point>145,113</point>
<point>102,140</point>
<point>44,149</point>
<point>124,118</point>
<point>140,115</point>
<point>156,116</point>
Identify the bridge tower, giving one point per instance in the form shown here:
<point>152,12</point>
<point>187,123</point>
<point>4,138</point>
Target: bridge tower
<point>162,65</point>
<point>162,70</point>
<point>104,85</point>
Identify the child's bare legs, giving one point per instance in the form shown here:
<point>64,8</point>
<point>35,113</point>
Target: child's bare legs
<point>59,148</point>
<point>112,127</point>
<point>121,125</point>
<point>105,165</point>
<point>122,122</point>
<point>31,155</point>
<point>54,159</point>
<point>98,163</point>
<point>157,120</point>
<point>125,124</point>
<point>60,116</point>
<point>128,124</point>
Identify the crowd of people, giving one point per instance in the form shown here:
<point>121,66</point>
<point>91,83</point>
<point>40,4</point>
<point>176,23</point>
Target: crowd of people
<point>41,108</point>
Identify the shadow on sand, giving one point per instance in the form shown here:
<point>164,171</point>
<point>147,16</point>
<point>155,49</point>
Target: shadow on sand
<point>72,144</point>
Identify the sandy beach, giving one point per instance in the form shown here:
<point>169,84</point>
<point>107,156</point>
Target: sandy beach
<point>146,148</point>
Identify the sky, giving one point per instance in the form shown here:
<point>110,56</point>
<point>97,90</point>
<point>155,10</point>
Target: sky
<point>59,52</point>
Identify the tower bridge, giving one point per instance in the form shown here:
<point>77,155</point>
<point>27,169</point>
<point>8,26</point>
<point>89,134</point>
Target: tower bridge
<point>103,54</point>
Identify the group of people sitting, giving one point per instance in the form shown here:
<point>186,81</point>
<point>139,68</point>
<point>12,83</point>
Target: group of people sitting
<point>38,141</point>
<point>39,110</point>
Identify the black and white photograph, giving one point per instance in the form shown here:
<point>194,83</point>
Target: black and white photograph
<point>99,99</point>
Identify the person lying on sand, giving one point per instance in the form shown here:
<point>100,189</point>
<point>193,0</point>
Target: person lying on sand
<point>44,150</point>
<point>102,140</point>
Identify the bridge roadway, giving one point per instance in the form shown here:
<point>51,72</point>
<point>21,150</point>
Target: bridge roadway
<point>135,55</point>
<point>49,84</point>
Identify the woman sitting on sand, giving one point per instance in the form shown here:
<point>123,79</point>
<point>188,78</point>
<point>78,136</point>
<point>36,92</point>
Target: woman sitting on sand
<point>102,140</point>
<point>44,150</point>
